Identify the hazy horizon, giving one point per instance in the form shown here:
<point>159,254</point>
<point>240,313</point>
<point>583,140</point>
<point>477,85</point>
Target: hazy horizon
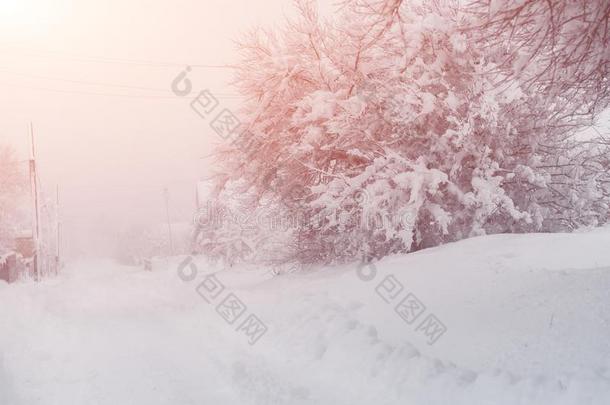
<point>94,79</point>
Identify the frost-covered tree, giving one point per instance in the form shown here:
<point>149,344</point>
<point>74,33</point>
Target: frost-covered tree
<point>12,192</point>
<point>405,124</point>
<point>557,47</point>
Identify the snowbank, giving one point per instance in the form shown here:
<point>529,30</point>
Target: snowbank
<point>527,319</point>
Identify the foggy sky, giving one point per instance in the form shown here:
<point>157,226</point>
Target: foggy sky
<point>113,155</point>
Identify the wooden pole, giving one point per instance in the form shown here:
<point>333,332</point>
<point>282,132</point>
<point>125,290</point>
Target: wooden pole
<point>57,231</point>
<point>169,223</point>
<point>36,206</point>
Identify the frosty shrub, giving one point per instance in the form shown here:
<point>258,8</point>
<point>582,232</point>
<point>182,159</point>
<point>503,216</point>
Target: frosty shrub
<point>407,124</point>
<point>13,208</point>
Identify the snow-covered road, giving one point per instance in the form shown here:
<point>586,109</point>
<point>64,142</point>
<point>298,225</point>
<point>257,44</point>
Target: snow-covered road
<point>527,321</point>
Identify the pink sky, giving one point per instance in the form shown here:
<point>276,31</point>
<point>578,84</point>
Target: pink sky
<point>112,156</point>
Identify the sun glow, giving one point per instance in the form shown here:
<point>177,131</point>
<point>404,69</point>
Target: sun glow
<point>25,18</point>
<point>14,11</point>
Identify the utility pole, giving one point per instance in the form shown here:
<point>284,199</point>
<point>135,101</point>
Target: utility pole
<point>169,223</point>
<point>57,231</point>
<point>36,206</point>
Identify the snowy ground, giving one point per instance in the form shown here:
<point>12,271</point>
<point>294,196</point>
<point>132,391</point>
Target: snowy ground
<point>527,319</point>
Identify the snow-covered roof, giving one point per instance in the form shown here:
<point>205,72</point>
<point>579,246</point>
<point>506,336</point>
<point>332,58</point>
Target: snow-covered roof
<point>4,256</point>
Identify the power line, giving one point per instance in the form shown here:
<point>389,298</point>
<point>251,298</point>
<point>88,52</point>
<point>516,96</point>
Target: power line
<point>97,59</point>
<point>139,187</point>
<point>87,93</point>
<point>82,81</point>
<point>103,84</point>
<point>142,96</point>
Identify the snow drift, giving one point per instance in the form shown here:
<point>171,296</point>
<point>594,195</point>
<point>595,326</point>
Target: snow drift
<point>527,319</point>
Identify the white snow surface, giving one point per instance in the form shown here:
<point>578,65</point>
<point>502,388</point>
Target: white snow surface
<point>527,317</point>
